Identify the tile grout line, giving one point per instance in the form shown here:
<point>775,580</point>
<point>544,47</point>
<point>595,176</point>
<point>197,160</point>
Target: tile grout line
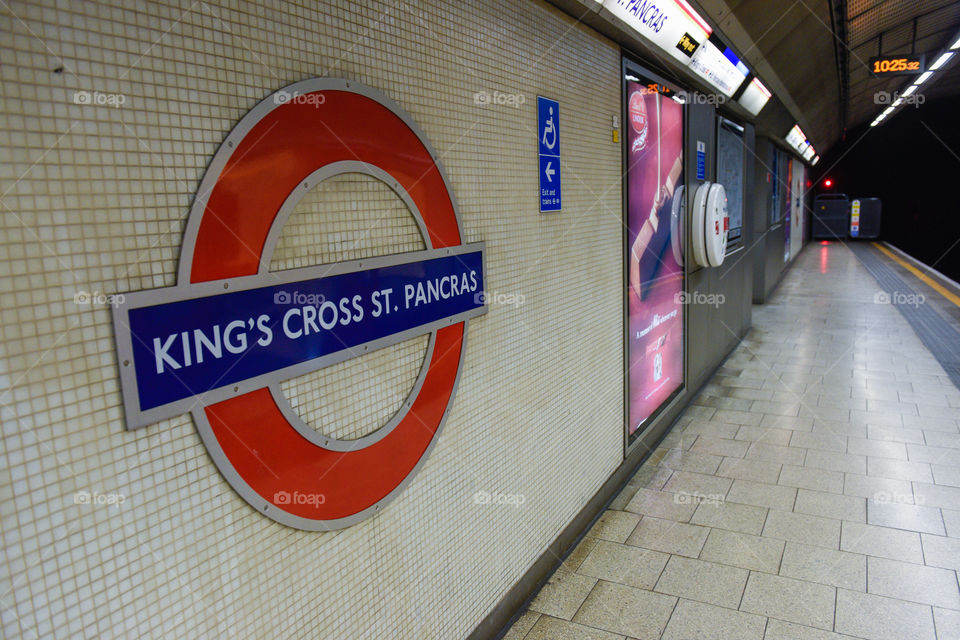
<point>783,553</point>
<point>836,603</point>
<point>744,592</point>
<point>589,593</point>
<point>866,574</point>
<point>672,612</point>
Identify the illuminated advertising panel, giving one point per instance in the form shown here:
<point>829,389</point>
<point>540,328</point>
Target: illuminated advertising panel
<point>755,97</point>
<point>796,138</point>
<point>722,69</point>
<point>655,278</point>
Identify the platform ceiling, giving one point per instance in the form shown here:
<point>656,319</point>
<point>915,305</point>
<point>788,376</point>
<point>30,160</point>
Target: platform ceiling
<point>818,52</point>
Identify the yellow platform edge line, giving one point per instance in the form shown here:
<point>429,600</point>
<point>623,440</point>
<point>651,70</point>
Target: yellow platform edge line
<point>924,278</point>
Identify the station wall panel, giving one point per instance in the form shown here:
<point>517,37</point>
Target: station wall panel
<point>111,113</point>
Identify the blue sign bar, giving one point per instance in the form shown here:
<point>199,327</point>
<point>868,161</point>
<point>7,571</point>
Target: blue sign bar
<point>548,131</point>
<point>186,347</point>
<point>701,160</point>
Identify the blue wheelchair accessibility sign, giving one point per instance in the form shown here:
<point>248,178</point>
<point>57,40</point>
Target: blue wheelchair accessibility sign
<point>548,131</point>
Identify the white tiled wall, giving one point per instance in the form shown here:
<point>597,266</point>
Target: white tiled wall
<point>94,199</point>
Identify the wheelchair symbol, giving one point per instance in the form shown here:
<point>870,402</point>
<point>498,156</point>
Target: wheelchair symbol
<point>550,130</point>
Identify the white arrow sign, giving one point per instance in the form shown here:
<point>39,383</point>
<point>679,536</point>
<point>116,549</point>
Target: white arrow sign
<point>549,172</point>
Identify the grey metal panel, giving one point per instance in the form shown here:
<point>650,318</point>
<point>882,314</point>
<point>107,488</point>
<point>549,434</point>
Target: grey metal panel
<point>713,330</point>
<point>760,215</point>
<point>749,223</point>
<point>701,342</point>
<point>774,264</point>
<point>769,239</point>
<point>735,277</point>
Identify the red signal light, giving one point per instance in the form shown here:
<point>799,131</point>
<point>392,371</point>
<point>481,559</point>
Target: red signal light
<point>828,183</point>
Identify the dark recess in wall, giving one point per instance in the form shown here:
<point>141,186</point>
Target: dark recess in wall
<point>911,162</point>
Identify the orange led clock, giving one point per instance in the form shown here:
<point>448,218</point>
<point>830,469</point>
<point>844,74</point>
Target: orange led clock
<point>899,65</point>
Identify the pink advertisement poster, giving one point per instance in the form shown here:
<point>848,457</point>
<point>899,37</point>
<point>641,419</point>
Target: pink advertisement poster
<point>655,259</point>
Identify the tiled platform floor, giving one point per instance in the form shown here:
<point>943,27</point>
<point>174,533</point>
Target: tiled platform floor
<point>812,491</point>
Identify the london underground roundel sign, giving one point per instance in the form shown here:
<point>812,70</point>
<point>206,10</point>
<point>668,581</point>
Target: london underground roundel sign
<point>220,342</point>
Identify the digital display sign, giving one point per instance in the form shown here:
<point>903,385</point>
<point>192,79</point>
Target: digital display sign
<point>687,44</point>
<point>900,65</point>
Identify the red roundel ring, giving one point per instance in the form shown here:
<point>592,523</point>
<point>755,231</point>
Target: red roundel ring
<point>287,143</point>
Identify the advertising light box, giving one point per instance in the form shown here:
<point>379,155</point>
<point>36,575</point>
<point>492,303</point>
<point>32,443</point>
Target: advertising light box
<point>796,138</point>
<point>722,70</point>
<point>755,97</point>
<point>798,142</point>
<point>655,277</point>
